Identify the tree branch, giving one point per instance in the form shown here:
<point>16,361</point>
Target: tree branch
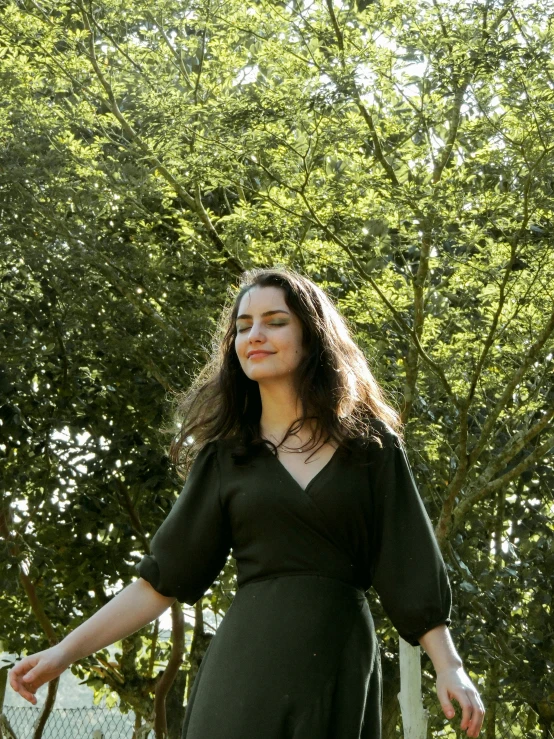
<point>169,45</point>
<point>509,387</point>
<point>488,489</point>
<point>160,167</point>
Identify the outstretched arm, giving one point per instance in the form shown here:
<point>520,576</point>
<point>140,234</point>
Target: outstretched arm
<point>135,606</point>
<point>132,608</point>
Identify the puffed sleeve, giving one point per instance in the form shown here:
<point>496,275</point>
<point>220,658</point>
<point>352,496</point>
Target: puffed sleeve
<point>191,546</point>
<point>408,571</point>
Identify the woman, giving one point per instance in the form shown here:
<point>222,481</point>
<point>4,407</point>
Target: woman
<point>300,469</point>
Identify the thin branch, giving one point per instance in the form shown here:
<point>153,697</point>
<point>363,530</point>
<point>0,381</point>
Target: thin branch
<point>509,387</point>
<point>169,45</point>
<point>469,502</point>
<point>334,23</point>
<point>251,31</point>
<point>524,35</point>
<point>111,103</point>
<point>379,155</point>
<point>454,123</point>
<point>489,339</point>
<point>450,511</point>
<point>378,152</point>
<point>133,63</point>
<point>412,363</point>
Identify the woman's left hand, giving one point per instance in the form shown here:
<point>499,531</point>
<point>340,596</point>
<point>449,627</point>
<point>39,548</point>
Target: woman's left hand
<point>454,682</point>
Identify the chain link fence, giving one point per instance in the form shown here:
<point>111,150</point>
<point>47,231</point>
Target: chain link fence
<point>93,722</point>
<point>510,722</point>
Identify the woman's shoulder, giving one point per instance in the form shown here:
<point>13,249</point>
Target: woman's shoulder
<point>226,447</point>
<point>216,444</point>
<point>379,435</point>
<point>225,443</point>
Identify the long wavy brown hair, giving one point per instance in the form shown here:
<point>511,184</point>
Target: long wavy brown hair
<point>335,386</point>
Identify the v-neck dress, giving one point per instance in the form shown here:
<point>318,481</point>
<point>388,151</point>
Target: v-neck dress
<point>296,654</point>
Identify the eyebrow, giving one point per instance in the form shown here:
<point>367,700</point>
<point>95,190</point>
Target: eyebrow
<point>267,313</point>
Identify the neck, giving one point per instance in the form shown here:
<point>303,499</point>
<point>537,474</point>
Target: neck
<point>280,407</point>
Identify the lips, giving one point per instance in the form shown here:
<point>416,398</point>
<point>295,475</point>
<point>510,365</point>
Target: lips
<point>259,354</point>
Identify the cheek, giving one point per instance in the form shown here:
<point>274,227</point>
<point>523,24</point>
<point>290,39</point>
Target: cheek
<point>294,343</point>
<point>240,347</point>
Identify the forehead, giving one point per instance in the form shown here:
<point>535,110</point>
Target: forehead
<point>260,299</point>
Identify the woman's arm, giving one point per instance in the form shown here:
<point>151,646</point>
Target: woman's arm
<point>439,646</point>
<point>452,680</point>
<point>132,608</point>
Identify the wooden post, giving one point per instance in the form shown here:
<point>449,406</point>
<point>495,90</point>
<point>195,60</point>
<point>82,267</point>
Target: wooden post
<point>414,715</point>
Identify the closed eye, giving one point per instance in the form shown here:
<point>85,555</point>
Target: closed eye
<point>240,330</point>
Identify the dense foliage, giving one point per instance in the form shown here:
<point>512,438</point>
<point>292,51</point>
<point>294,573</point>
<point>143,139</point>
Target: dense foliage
<point>400,154</point>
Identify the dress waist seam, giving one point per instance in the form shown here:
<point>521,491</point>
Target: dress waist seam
<point>279,575</point>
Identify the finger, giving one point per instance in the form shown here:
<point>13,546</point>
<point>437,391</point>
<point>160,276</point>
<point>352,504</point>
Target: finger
<point>20,667</point>
<point>21,688</point>
<point>30,697</point>
<point>446,705</point>
<point>467,710</point>
<point>11,678</point>
<point>15,679</point>
<point>23,667</point>
<point>27,693</point>
<point>477,717</point>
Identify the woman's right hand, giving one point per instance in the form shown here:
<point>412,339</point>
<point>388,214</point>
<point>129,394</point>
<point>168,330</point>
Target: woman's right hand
<point>27,676</point>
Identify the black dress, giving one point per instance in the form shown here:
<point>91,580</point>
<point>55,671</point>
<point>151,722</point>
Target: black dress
<point>296,655</point>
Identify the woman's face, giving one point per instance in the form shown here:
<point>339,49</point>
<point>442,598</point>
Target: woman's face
<point>264,323</point>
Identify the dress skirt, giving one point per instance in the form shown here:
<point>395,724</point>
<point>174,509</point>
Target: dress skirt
<point>295,657</point>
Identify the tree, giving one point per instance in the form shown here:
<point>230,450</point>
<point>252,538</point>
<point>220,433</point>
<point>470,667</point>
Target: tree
<point>400,154</point>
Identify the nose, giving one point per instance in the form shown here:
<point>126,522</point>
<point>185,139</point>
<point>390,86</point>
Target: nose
<point>256,332</point>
